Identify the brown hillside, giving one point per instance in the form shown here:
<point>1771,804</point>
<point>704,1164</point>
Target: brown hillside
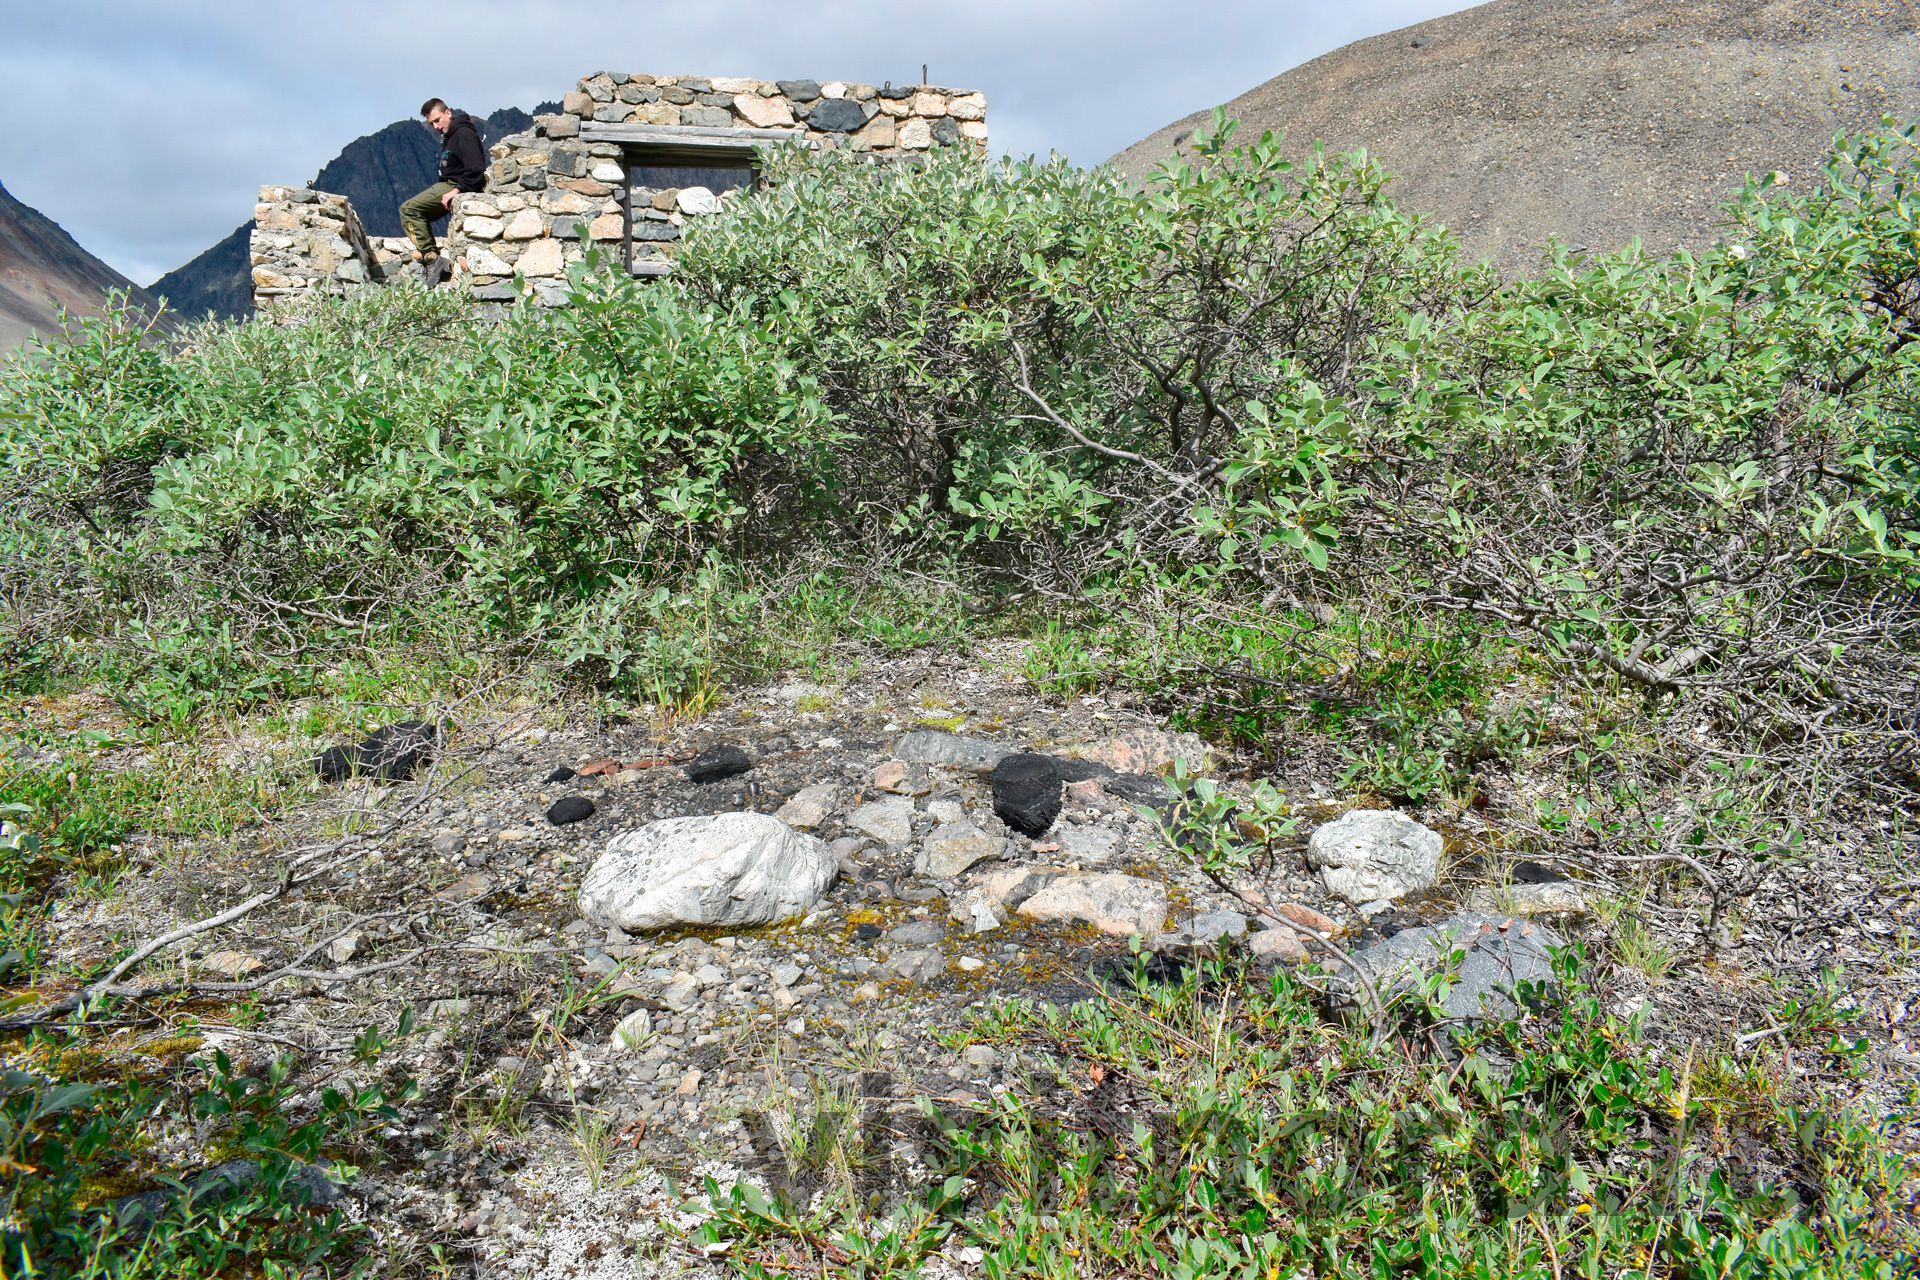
<point>40,264</point>
<point>1593,121</point>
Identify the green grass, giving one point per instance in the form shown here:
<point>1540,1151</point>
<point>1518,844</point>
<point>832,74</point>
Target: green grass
<point>1261,1142</point>
<point>72,1138</point>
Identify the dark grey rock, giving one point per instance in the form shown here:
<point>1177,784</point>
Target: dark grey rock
<point>895,93</point>
<point>1137,788</point>
<point>534,179</point>
<point>946,131</point>
<point>600,92</point>
<point>303,195</point>
<point>618,77</point>
<point>697,84</point>
<point>635,94</point>
<point>304,1184</point>
<point>799,90</point>
<point>389,754</point>
<point>678,94</point>
<point>650,230</point>
<point>618,113</point>
<point>566,229</point>
<point>934,746</point>
<point>707,117</point>
<point>569,809</point>
<point>1214,925</point>
<point>838,115</point>
<point>1075,770</point>
<point>1026,791</point>
<point>919,933</point>
<point>717,763</point>
<point>921,965</point>
<point>716,100</point>
<point>494,293</point>
<point>563,163</point>
<point>1500,953</point>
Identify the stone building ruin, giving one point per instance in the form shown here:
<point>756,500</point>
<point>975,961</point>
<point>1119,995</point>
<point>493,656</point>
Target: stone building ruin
<point>623,166</point>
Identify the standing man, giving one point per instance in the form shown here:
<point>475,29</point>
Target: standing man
<point>463,167</point>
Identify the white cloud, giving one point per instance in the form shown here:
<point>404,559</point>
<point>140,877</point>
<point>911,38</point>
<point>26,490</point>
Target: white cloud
<point>146,128</point>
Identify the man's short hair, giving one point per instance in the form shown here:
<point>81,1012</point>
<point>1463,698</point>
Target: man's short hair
<point>427,108</point>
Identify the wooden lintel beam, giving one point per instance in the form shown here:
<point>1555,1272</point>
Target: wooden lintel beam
<point>686,135</point>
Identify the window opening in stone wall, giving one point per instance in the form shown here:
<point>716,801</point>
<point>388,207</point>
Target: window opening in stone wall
<point>678,177</point>
<point>657,174</point>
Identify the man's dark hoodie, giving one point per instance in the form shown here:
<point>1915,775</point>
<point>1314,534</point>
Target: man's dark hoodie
<point>463,157</point>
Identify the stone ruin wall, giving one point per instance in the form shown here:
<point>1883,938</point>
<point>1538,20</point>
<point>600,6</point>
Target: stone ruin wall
<point>549,194</point>
<point>307,241</point>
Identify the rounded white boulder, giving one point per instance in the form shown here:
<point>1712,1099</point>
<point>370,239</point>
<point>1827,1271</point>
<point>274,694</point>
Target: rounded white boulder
<point>1373,854</point>
<point>725,869</point>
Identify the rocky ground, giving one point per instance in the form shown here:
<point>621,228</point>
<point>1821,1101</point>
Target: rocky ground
<point>578,1079</point>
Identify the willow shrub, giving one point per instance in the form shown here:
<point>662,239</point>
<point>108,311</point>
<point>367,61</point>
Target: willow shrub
<point>1262,375</point>
<point>562,475</point>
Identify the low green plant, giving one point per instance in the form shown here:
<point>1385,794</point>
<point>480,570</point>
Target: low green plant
<point>1264,1142</point>
<point>69,1148</point>
<point>1061,664</point>
<point>1635,946</point>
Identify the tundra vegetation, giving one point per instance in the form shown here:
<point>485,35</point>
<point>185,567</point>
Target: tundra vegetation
<point>1252,442</point>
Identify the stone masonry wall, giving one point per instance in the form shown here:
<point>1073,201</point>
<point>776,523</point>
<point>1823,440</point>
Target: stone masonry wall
<point>549,194</point>
<point>303,242</point>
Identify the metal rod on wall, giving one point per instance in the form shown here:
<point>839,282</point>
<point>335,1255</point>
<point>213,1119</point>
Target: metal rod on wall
<point>626,214</point>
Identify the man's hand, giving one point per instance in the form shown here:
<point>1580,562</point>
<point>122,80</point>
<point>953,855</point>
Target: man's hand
<point>446,201</point>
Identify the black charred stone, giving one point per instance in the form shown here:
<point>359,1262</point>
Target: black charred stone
<point>718,763</point>
<point>838,115</point>
<point>562,774</point>
<point>570,809</point>
<point>389,754</point>
<point>1026,791</point>
<point>1165,968</point>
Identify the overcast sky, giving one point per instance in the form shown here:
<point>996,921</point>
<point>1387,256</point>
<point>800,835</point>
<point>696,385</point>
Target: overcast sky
<point>145,127</point>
